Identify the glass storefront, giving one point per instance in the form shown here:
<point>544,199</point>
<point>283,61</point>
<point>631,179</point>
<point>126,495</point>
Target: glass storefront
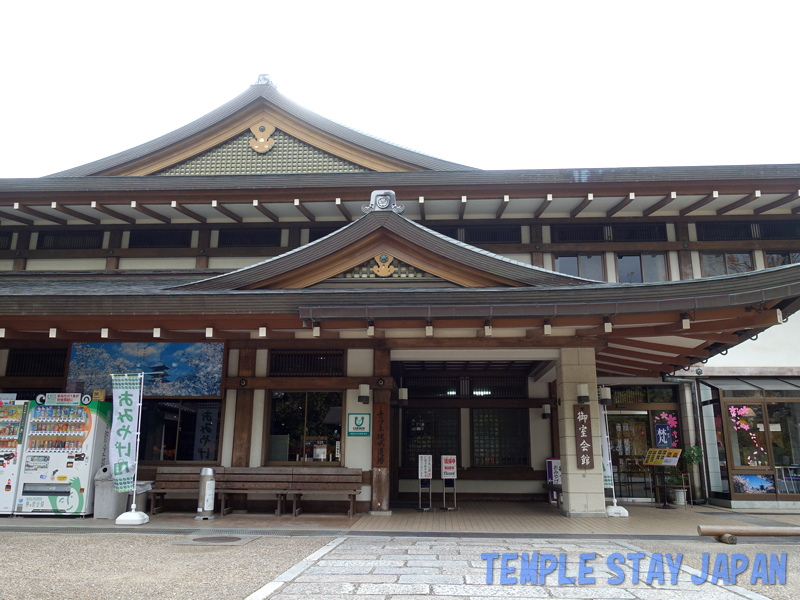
<point>305,427</point>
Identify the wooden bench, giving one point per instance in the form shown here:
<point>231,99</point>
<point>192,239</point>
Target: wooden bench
<point>554,487</point>
<point>324,480</point>
<point>173,479</point>
<point>245,480</point>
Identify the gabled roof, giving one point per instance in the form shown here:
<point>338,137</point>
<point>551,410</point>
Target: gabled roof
<point>371,234</point>
<point>268,94</point>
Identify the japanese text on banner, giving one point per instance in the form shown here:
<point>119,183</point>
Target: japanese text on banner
<point>124,428</point>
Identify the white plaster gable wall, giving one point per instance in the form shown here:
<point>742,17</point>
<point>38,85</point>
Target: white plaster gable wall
<point>776,347</point>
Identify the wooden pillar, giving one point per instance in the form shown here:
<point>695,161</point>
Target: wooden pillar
<point>242,424</point>
<point>684,256</point>
<point>381,434</point>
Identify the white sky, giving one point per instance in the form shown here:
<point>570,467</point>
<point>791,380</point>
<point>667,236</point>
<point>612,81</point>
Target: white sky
<point>495,85</point>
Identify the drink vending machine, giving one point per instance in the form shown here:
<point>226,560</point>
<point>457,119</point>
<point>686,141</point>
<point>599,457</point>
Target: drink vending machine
<point>66,442</point>
<point>13,413</point>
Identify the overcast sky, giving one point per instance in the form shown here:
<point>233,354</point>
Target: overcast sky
<point>495,85</point>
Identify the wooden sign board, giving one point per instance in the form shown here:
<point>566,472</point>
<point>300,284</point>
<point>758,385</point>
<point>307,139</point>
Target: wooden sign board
<point>583,436</point>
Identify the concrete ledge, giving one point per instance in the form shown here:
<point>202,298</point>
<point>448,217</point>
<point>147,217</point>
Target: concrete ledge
<point>601,515</point>
<point>380,513</point>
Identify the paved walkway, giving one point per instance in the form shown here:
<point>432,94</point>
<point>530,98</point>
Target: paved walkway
<point>410,568</point>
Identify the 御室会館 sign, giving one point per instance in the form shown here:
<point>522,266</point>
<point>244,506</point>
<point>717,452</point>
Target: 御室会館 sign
<point>358,424</point>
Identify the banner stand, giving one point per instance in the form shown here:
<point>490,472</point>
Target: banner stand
<point>449,477</point>
<point>135,517</point>
<point>425,475</point>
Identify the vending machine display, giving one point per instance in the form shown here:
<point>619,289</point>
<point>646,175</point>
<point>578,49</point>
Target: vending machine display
<point>66,442</point>
<point>12,432</point>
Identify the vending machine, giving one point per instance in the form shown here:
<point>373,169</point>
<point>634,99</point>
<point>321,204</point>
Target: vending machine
<point>66,442</point>
<point>12,432</point>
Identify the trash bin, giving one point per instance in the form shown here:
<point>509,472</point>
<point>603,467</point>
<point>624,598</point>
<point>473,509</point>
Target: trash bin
<point>108,504</point>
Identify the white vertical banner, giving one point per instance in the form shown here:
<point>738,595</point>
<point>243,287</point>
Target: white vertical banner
<point>608,473</point>
<point>122,445</point>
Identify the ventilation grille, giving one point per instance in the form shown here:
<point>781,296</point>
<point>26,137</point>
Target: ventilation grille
<point>70,240</point>
<point>306,363</point>
<point>239,238</point>
<point>639,232</point>
<point>160,238</point>
<point>5,241</point>
<point>711,231</point>
<point>451,232</point>
<point>508,234</point>
<point>567,234</point>
<point>316,233</point>
<point>34,362</point>
<point>779,230</point>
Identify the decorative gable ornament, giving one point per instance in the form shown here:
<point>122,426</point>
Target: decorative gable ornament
<point>383,200</point>
<point>262,142</point>
<point>384,267</point>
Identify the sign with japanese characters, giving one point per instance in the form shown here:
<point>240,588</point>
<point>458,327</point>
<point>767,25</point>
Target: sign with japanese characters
<point>583,437</point>
<point>425,463</point>
<point>206,431</point>
<point>663,435</point>
<point>126,391</point>
<point>62,399</point>
<point>661,457</point>
<point>449,470</point>
<point>380,437</point>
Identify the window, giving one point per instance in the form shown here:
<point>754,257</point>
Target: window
<point>5,241</point>
<point>711,231</point>
<point>306,363</point>
<point>316,233</point>
<point>725,263</point>
<point>305,427</point>
<point>69,240</point>
<point>639,232</point>
<point>160,238</point>
<point>779,259</point>
<point>636,268</point>
<point>748,439</point>
<point>180,430</point>
<point>500,437</point>
<point>502,234</point>
<point>566,234</point>
<point>588,266</point>
<point>36,362</point>
<point>429,431</point>
<point>264,237</point>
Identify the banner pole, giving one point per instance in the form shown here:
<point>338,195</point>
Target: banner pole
<point>138,437</point>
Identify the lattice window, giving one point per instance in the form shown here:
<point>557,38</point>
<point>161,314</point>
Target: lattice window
<point>69,240</point>
<point>779,230</point>
<point>451,232</point>
<point>5,241</point>
<point>713,231</point>
<point>639,232</point>
<point>566,234</point>
<point>306,363</point>
<point>466,387</point>
<point>263,237</point>
<point>505,234</point>
<point>36,362</point>
<point>401,271</point>
<point>500,437</point>
<point>316,233</point>
<point>160,238</point>
<point>429,431</point>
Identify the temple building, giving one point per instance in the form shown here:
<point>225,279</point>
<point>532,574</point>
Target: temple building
<point>324,297</point>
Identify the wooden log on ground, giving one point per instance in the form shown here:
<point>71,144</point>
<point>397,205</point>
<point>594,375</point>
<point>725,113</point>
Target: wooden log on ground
<point>718,531</point>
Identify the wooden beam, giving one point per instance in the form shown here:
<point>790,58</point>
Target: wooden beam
<point>630,198</point>
<point>306,383</point>
<point>751,197</point>
<point>112,213</point>
<point>665,348</point>
<point>74,213</point>
<point>37,214</point>
<point>541,369</point>
<point>636,364</point>
<point>304,211</point>
<point>579,209</point>
<point>656,358</point>
<point>462,209</point>
<point>627,370</point>
<point>7,333</point>
<point>16,218</point>
<point>549,341</point>
<point>189,213</point>
<point>226,211</point>
<point>502,208</point>
<point>150,213</point>
<point>778,203</point>
<point>422,207</point>
<point>669,198</point>
<point>700,203</point>
<point>160,333</point>
<point>267,213</point>
<point>543,206</point>
<point>343,209</point>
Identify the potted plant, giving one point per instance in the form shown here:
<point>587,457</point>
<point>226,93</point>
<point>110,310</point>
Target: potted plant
<point>690,456</point>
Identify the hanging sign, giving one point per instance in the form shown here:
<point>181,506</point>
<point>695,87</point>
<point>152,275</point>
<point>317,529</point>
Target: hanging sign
<point>127,397</point>
<point>7,398</point>
<point>583,437</point>
<point>425,462</point>
<point>60,399</point>
<point>449,470</point>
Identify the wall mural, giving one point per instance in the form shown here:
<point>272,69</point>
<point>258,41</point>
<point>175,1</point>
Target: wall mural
<point>175,369</point>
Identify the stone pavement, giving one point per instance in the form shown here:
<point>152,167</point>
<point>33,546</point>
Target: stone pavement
<point>448,568</point>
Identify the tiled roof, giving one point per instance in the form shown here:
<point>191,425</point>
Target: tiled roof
<point>288,156</point>
<point>270,94</point>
